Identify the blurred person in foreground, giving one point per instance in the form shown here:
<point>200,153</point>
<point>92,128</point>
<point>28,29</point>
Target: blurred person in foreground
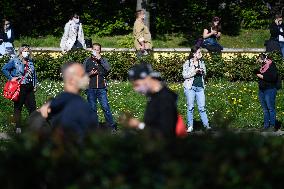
<point>21,69</point>
<point>98,68</point>
<point>69,111</point>
<point>161,113</point>
<point>268,83</point>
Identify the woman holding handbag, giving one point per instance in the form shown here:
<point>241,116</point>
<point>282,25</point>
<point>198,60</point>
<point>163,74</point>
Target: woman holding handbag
<point>21,69</point>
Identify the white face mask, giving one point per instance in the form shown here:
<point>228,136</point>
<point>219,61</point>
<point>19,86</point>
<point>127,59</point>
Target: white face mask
<point>76,20</point>
<point>94,53</point>
<point>25,54</point>
<point>83,83</point>
<point>143,89</point>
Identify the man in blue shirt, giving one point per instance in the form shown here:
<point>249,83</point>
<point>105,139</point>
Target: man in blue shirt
<point>69,111</point>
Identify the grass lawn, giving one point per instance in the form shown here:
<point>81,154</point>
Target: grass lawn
<point>236,100</point>
<point>246,39</point>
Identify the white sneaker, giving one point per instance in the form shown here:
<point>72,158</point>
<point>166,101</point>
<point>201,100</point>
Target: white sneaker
<point>189,129</point>
<point>18,130</point>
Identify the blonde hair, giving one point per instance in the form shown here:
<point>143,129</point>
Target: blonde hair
<point>21,49</point>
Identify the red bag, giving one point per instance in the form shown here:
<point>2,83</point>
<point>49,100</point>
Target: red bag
<point>12,90</point>
<point>180,127</point>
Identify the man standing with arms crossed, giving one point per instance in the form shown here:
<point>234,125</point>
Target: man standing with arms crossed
<point>142,35</point>
<point>98,68</point>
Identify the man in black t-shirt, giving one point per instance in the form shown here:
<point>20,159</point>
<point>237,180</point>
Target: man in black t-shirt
<point>160,116</point>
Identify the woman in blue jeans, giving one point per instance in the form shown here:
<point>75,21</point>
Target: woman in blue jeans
<point>193,73</point>
<point>267,82</point>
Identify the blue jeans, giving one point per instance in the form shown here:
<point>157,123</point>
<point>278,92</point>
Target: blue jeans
<point>281,44</point>
<point>100,94</point>
<point>267,100</point>
<point>191,94</point>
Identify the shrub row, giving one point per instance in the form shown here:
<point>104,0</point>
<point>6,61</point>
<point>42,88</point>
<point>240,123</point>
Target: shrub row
<point>138,161</point>
<point>239,68</point>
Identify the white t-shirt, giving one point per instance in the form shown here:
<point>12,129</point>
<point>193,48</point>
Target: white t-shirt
<point>281,38</point>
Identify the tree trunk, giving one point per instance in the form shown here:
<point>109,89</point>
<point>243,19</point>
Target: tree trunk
<point>144,5</point>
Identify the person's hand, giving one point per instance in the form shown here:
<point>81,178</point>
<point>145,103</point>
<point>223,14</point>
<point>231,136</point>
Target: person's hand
<point>133,123</point>
<point>93,72</point>
<point>45,110</point>
<point>98,56</point>
<point>14,78</point>
<point>260,76</point>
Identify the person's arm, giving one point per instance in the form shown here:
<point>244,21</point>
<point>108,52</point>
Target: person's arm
<point>139,34</point>
<point>270,75</point>
<point>65,37</point>
<point>9,38</point>
<point>218,35</point>
<point>187,71</point>
<point>274,32</point>
<point>207,34</point>
<point>83,37</point>
<point>105,65</point>
<point>7,68</point>
<point>89,72</point>
<point>204,68</point>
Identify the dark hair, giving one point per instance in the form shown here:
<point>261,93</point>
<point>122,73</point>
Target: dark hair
<point>263,56</point>
<point>97,44</point>
<point>193,50</point>
<point>73,15</point>
<point>138,13</point>
<point>218,27</point>
<point>278,15</point>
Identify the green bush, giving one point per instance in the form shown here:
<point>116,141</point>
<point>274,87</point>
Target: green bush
<point>138,161</point>
<point>238,68</point>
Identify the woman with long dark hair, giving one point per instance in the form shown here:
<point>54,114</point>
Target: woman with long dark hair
<point>21,68</point>
<point>211,35</point>
<point>194,71</point>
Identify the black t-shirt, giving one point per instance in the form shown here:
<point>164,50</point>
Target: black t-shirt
<point>161,112</point>
<point>269,80</point>
<point>71,112</point>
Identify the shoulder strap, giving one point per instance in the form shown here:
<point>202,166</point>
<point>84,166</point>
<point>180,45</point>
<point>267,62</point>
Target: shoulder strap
<point>25,71</point>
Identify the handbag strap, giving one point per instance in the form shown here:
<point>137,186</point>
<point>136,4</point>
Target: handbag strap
<point>25,71</point>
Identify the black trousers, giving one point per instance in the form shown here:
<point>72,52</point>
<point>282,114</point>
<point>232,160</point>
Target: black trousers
<point>27,98</point>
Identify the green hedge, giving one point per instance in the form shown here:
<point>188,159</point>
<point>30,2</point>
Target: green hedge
<point>138,161</point>
<point>239,68</point>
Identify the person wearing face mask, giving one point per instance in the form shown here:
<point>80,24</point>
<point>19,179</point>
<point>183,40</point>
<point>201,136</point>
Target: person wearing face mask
<point>8,37</point>
<point>160,116</point>
<point>68,111</point>
<point>267,82</point>
<point>98,69</point>
<point>276,35</point>
<point>21,68</point>
<point>73,37</point>
<point>194,71</point>
<point>142,35</point>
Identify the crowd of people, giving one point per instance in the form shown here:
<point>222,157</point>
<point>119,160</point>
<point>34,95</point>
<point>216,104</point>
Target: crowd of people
<point>161,114</point>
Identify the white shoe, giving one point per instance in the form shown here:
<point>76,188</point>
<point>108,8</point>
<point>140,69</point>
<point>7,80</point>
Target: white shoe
<point>189,129</point>
<point>18,130</point>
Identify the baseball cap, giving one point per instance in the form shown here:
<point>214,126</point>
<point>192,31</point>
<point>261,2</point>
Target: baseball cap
<point>141,71</point>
